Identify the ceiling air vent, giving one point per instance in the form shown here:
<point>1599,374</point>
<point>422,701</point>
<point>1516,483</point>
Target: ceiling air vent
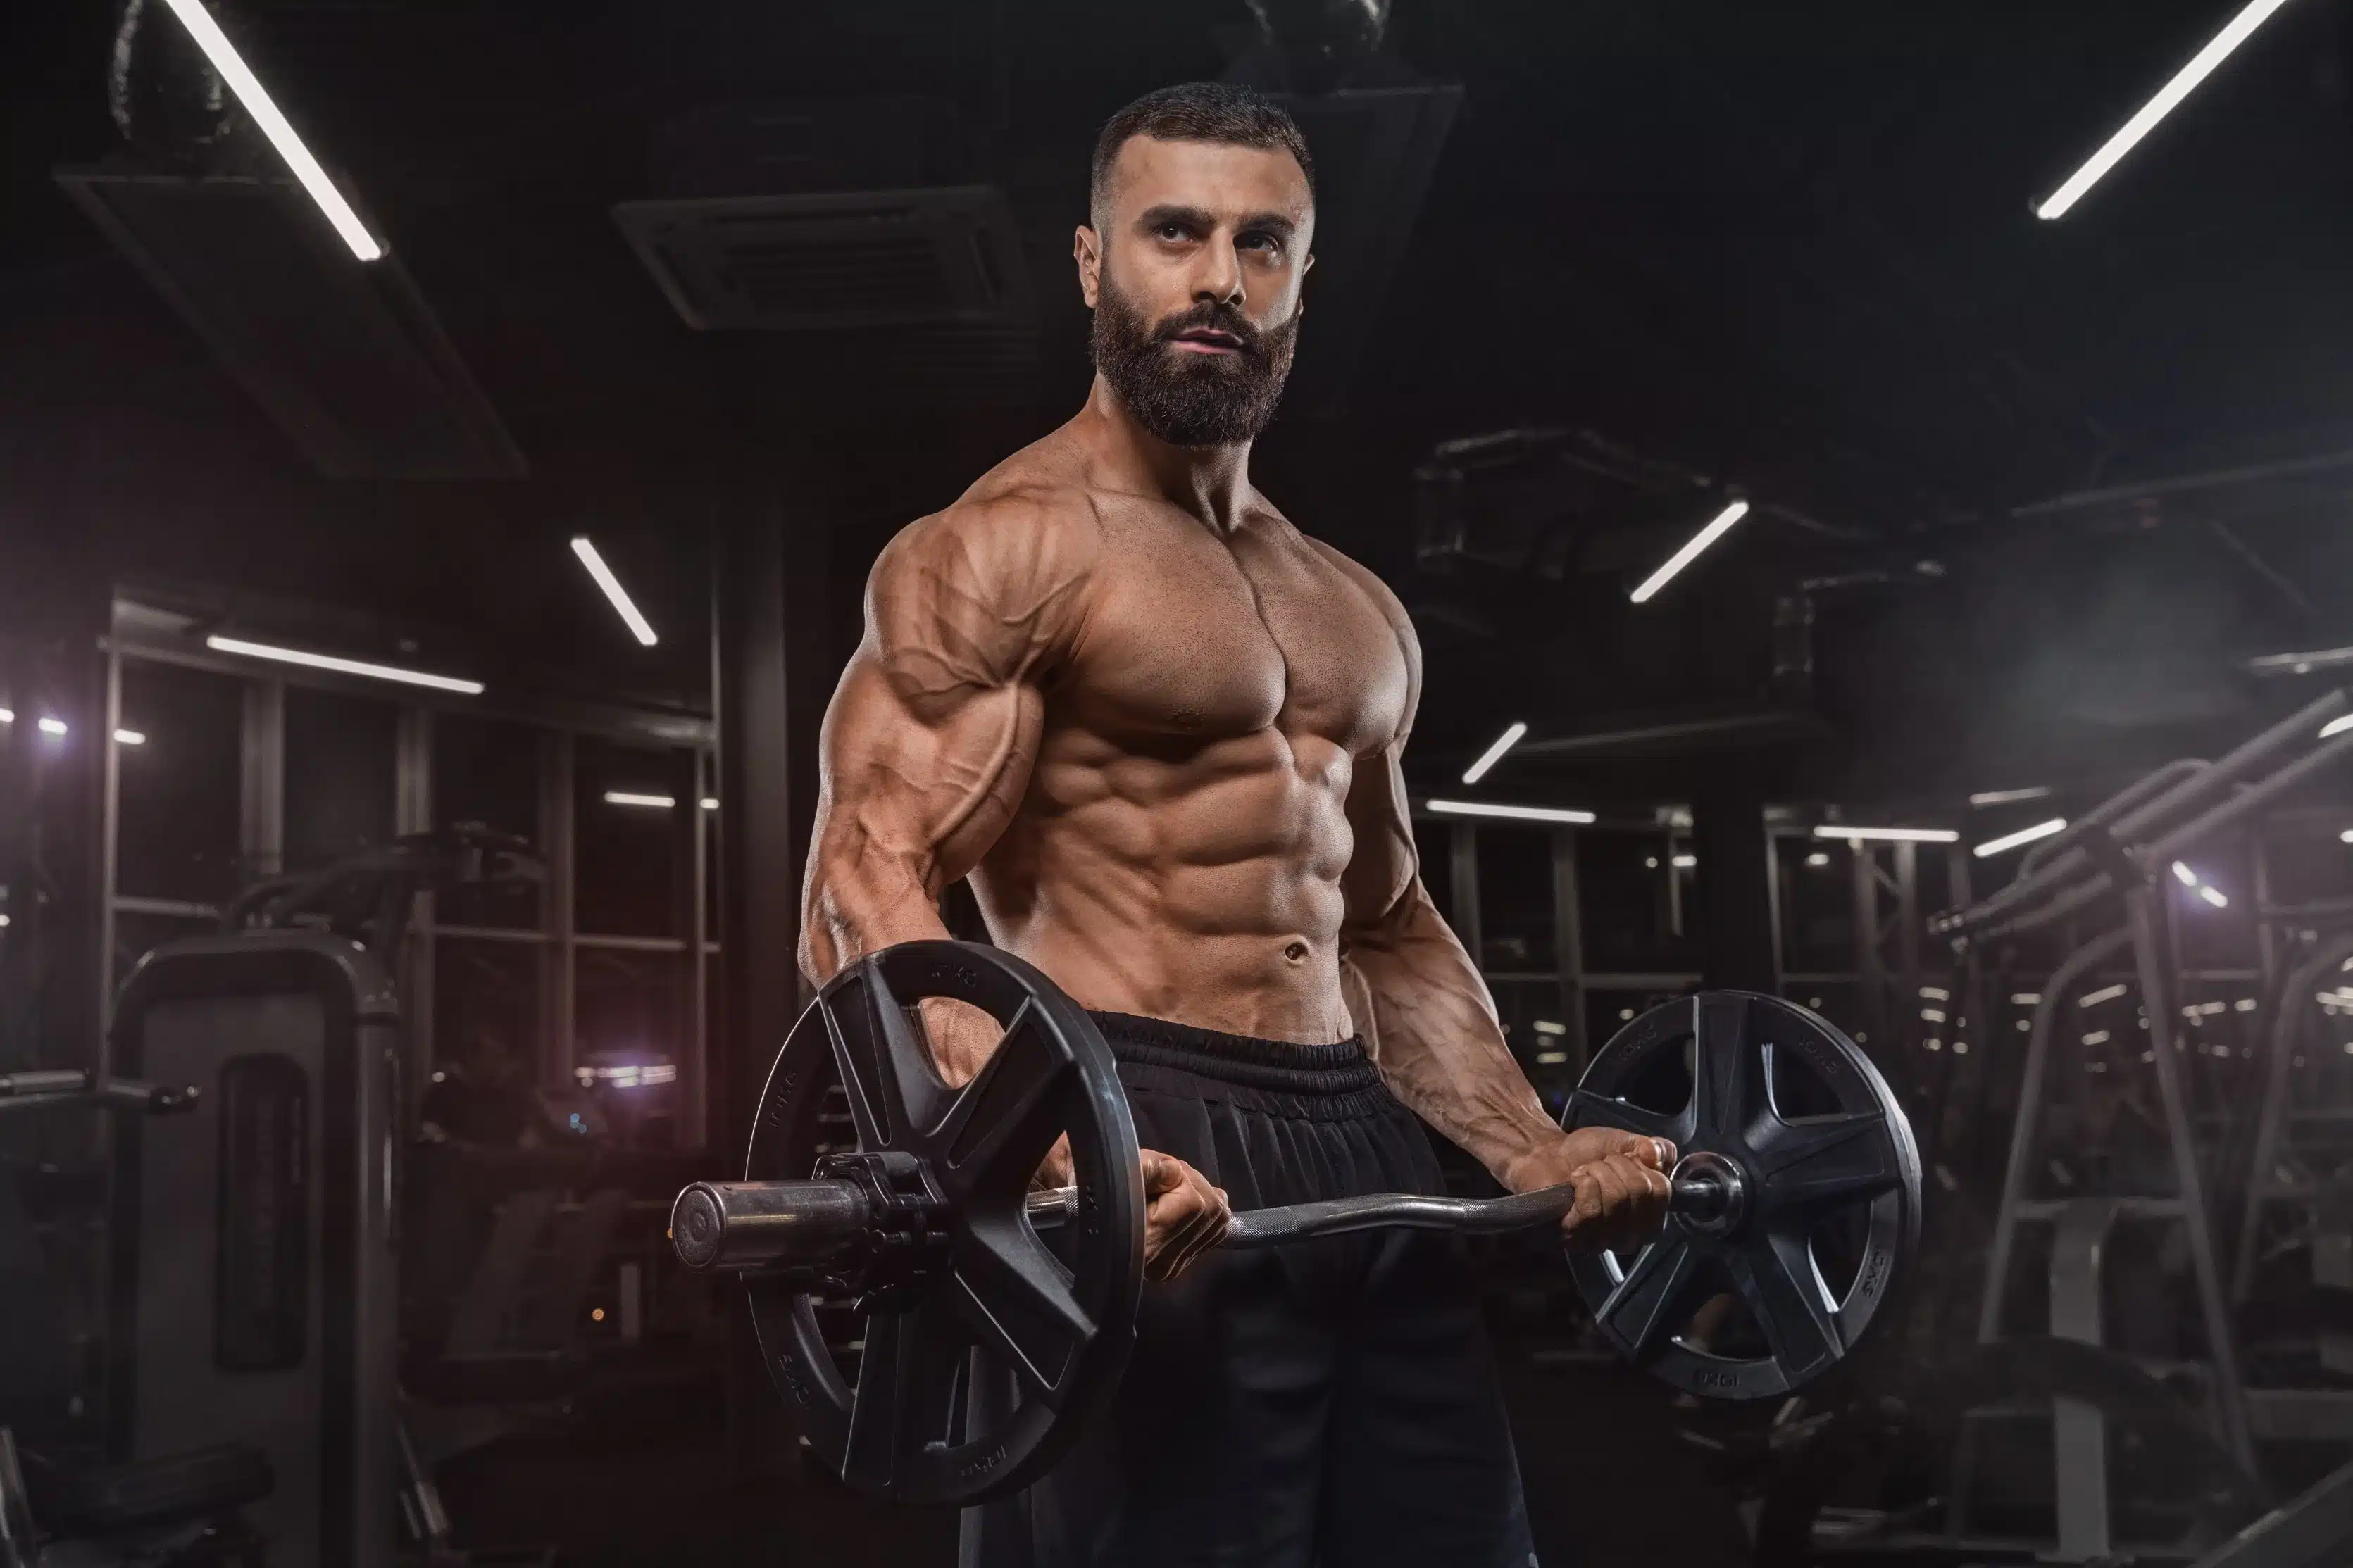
<point>345,355</point>
<point>853,259</point>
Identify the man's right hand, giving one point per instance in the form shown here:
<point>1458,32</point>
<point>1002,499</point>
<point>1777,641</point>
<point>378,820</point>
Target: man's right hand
<point>1184,1215</point>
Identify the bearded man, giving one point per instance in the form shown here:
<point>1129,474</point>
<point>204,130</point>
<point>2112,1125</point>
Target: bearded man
<point>1159,729</point>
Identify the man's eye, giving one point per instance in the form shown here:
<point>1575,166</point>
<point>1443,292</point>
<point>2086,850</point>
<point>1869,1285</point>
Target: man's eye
<point>1265,242</point>
<point>1171,231</point>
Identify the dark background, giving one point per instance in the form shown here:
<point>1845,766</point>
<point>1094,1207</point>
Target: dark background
<point>2028,496</point>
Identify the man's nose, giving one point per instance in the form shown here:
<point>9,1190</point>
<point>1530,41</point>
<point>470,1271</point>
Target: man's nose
<point>1219,277</point>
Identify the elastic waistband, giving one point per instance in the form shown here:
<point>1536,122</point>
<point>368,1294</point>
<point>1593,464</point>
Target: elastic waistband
<point>1335,1068</point>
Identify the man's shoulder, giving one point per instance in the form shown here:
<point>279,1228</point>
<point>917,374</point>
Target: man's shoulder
<point>1001,534</point>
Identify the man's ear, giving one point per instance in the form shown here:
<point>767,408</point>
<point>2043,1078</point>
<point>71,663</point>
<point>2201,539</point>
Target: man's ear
<point>1086,249</point>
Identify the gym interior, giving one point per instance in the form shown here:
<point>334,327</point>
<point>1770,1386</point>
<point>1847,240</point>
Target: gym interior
<point>1866,483</point>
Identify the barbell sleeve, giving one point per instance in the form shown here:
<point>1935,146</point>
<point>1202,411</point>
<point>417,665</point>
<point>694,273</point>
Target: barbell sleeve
<point>766,1224</point>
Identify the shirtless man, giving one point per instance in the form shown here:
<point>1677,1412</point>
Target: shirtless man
<point>1159,727</point>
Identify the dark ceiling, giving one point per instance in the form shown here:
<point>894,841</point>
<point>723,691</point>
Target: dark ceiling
<point>1784,246</point>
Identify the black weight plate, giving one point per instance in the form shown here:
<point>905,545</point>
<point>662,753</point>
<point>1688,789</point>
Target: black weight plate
<point>981,1383</point>
<point>1801,1171</point>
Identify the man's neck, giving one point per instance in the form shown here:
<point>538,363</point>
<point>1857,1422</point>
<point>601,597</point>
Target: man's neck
<point>1212,483</point>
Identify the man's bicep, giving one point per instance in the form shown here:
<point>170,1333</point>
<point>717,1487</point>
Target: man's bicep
<point>934,781</point>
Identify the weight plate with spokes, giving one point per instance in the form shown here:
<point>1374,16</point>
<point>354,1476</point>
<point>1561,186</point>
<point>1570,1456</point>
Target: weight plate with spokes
<point>1829,1178</point>
<point>973,1380</point>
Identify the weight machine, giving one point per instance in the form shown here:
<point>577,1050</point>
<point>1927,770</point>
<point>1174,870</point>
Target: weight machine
<point>2124,851</point>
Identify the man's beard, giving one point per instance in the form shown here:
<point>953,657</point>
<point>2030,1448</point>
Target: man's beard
<point>1184,397</point>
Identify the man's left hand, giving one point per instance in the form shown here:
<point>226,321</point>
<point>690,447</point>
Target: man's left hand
<point>1620,1180</point>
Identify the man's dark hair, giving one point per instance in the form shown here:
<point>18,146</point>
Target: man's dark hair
<point>1199,111</point>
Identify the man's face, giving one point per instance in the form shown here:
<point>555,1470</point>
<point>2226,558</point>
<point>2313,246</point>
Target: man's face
<point>1194,275</point>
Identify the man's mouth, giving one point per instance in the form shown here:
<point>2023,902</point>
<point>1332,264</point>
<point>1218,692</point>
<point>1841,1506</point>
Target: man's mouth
<point>1208,340</point>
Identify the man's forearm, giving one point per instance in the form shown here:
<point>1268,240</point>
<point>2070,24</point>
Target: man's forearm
<point>1437,1040</point>
<point>861,898</point>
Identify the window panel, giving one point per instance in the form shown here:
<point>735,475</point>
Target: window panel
<point>182,787</point>
<point>340,775</point>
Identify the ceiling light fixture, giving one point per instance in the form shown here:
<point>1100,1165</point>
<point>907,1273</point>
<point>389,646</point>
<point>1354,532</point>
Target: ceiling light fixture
<point>342,665</point>
<point>2023,835</point>
<point>2336,727</point>
<point>1690,551</point>
<point>2214,896</point>
<point>2185,83</point>
<point>1509,813</point>
<point>711,802</point>
<point>631,797</point>
<point>639,627</point>
<point>2169,97</point>
<point>1894,834</point>
<point>2010,796</point>
<point>256,103</point>
<point>1494,754</point>
<point>50,726</point>
<point>2184,875</point>
<point>129,737</point>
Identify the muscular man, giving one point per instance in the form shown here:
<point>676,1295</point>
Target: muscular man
<point>1159,727</point>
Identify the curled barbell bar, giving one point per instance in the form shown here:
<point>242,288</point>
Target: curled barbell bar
<point>998,1320</point>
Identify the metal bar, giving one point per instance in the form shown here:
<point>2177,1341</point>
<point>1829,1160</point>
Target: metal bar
<point>261,777</point>
<point>2027,1125</point>
<point>558,994</point>
<point>2079,1432</point>
<point>2287,1018</point>
<point>2141,789</point>
<point>1568,945</point>
<point>2150,815</point>
<point>1870,955</point>
<point>2310,1531</point>
<point>2181,484</point>
<point>693,1073</point>
<point>412,812</point>
<point>2146,917</point>
<point>2251,800</point>
<point>109,836</point>
<point>629,943</point>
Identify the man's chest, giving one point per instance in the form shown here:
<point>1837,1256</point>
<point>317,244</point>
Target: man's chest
<point>1192,637</point>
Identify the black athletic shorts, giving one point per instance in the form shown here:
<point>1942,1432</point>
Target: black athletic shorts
<point>1329,1403</point>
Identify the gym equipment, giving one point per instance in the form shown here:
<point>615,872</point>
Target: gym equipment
<point>2178,1490</point>
<point>180,1509</point>
<point>253,1296</point>
<point>985,1350</point>
<point>2121,852</point>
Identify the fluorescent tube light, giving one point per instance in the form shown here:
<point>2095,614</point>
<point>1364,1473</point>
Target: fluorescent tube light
<point>629,797</point>
<point>256,103</point>
<point>2214,896</point>
<point>129,737</point>
<point>2105,994</point>
<point>1897,835</point>
<point>2010,796</point>
<point>1690,551</point>
<point>341,665</point>
<point>1494,754</point>
<point>2337,726</point>
<point>639,627</point>
<point>52,726</point>
<point>2184,875</point>
<point>1510,813</point>
<point>2023,835</point>
<point>2169,97</point>
<point>711,802</point>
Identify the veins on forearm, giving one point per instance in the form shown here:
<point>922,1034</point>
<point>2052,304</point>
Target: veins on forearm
<point>1439,1047</point>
